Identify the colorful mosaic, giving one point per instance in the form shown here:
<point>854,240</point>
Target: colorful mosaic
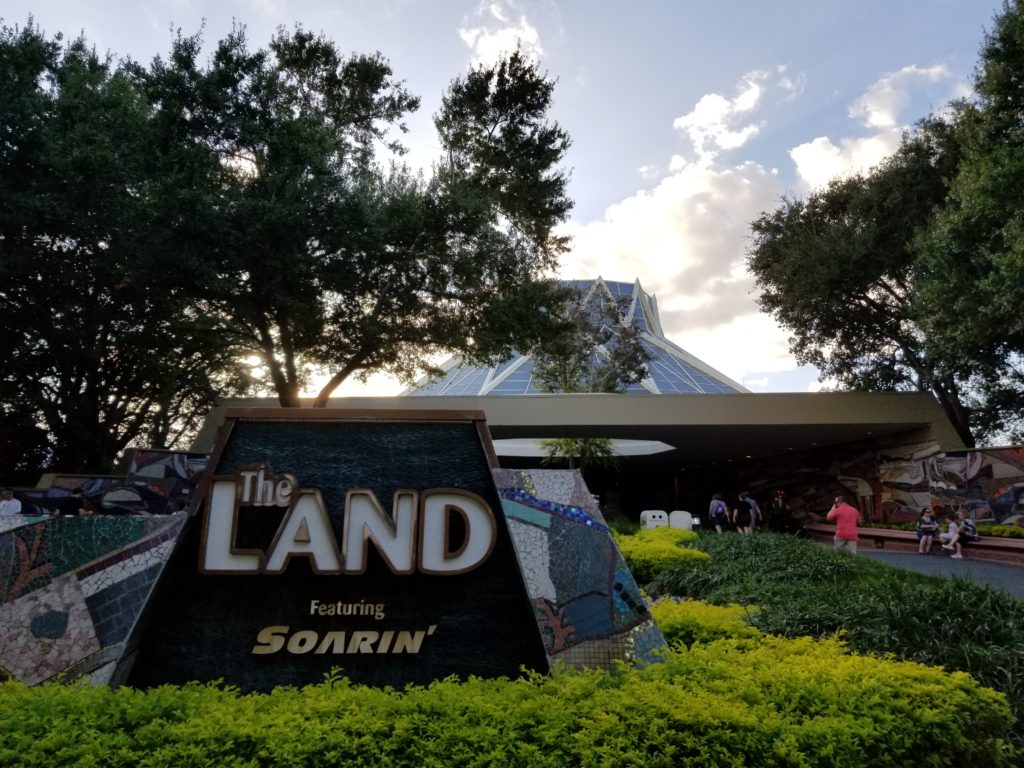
<point>588,607</point>
<point>72,589</point>
<point>895,485</point>
<point>988,482</point>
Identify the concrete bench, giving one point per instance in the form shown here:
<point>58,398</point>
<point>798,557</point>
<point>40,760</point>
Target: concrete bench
<point>989,548</point>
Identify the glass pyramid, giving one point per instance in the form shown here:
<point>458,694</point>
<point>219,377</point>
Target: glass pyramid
<point>672,370</point>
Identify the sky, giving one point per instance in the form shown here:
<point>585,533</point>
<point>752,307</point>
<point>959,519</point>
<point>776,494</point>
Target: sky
<point>688,118</point>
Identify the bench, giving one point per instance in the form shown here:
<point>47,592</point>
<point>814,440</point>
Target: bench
<point>989,548</point>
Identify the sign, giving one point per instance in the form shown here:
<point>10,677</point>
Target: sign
<point>329,539</point>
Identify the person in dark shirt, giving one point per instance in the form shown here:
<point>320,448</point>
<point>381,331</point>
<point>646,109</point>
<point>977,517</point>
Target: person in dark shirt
<point>71,505</point>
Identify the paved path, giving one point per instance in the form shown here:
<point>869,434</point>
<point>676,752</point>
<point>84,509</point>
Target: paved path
<point>1009,578</point>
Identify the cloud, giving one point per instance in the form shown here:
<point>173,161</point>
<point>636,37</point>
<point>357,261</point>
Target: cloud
<point>718,123</point>
<point>880,106</point>
<point>820,161</point>
<point>711,124</point>
<point>497,28</point>
<point>685,240</point>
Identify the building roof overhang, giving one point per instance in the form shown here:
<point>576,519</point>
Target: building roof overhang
<point>704,430</point>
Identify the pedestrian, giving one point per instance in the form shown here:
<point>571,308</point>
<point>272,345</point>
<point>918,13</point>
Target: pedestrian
<point>718,512</point>
<point>9,505</point>
<point>779,514</point>
<point>743,515</point>
<point>927,527</point>
<point>756,518</point>
<point>846,518</point>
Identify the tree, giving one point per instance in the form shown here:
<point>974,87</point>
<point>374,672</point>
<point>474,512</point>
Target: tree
<point>971,287</point>
<point>839,269</point>
<point>326,261</point>
<point>97,354</point>
<point>598,351</point>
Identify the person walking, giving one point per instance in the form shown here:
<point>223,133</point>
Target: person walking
<point>749,512</point>
<point>780,516</point>
<point>718,512</point>
<point>743,515</point>
<point>846,518</point>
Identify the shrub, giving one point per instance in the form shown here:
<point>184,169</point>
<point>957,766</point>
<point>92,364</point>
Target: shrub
<point>690,621</point>
<point>802,588</point>
<point>1001,531</point>
<point>773,702</point>
<point>654,550</point>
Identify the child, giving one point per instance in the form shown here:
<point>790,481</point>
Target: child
<point>951,538</point>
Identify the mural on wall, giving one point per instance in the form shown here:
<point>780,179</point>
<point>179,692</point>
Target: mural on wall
<point>72,589</point>
<point>896,484</point>
<point>157,482</point>
<point>588,607</point>
<point>989,483</point>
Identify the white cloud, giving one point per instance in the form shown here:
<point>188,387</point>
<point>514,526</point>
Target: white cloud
<point>717,123</point>
<point>685,240</point>
<point>711,124</point>
<point>880,108</point>
<point>820,161</point>
<point>793,85</point>
<point>882,104</point>
<point>498,28</point>
<point>648,172</point>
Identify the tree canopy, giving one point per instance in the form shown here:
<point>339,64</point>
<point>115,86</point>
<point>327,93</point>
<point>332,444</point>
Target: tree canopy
<point>328,261</point>
<point>199,227</point>
<point>910,276</point>
<point>97,352</point>
<point>837,271</point>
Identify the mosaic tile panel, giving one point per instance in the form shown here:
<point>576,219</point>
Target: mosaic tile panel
<point>72,589</point>
<point>589,610</point>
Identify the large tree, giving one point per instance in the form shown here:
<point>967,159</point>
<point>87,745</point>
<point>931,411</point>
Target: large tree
<point>97,355</point>
<point>163,225</point>
<point>319,258</point>
<point>971,286</point>
<point>838,271</point>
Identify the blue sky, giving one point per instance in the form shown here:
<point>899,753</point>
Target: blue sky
<point>688,117</point>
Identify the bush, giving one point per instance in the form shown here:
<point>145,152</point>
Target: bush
<point>691,621</point>
<point>802,588</point>
<point>771,702</point>
<point>653,550</point>
<point>1001,531</point>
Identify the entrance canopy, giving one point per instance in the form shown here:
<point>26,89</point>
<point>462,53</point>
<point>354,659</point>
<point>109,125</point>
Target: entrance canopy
<point>701,430</point>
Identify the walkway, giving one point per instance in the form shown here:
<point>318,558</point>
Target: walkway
<point>1009,578</point>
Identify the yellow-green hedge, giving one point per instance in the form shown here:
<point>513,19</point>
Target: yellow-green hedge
<point>652,550</point>
<point>690,621</point>
<point>732,702</point>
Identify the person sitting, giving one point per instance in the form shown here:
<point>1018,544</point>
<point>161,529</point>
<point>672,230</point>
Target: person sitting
<point>927,527</point>
<point>968,530</point>
<point>951,538</point>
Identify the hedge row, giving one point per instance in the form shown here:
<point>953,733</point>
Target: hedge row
<point>732,702</point>
<point>653,550</point>
<point>801,588</point>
